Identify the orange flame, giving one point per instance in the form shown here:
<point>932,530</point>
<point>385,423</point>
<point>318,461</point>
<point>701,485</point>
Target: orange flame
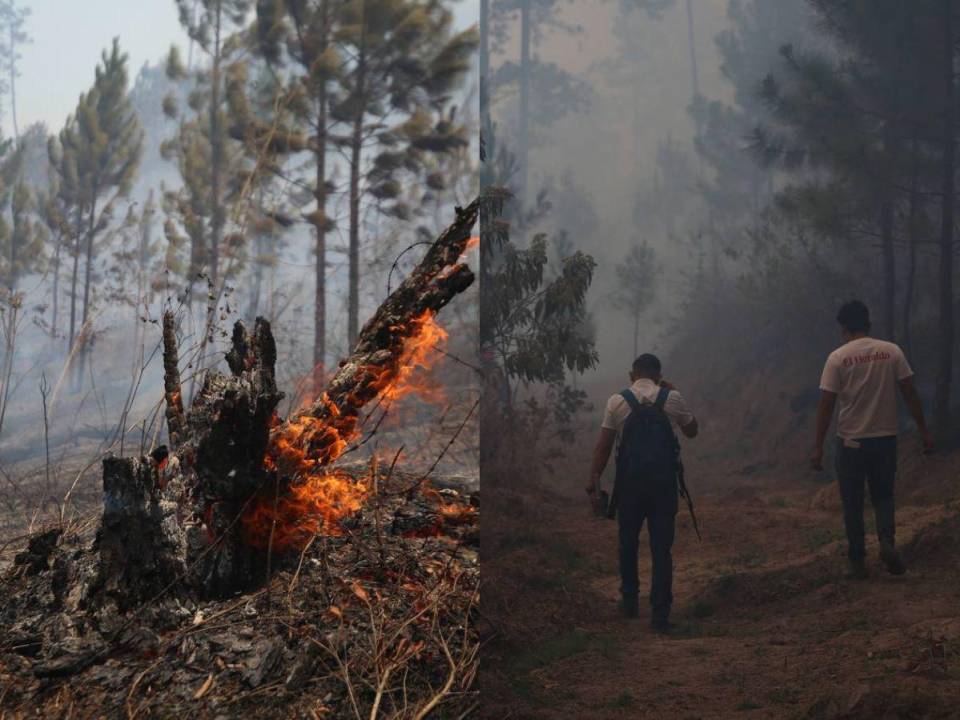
<point>314,506</point>
<point>419,353</point>
<point>320,497</point>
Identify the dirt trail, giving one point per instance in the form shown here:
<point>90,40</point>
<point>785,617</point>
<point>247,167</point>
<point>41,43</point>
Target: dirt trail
<point>769,627</point>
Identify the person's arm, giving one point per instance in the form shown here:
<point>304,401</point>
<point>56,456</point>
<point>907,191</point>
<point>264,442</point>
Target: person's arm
<point>601,454</point>
<point>912,399</point>
<point>678,409</point>
<point>828,401</point>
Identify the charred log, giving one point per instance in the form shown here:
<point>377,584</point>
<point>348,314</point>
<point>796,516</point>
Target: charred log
<point>436,280</point>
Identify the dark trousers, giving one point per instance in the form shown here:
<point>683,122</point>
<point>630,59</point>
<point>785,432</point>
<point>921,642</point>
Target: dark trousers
<point>873,463</point>
<point>660,515</point>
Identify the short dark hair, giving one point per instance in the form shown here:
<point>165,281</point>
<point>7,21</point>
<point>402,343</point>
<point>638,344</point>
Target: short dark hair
<point>647,365</point>
<point>854,316</point>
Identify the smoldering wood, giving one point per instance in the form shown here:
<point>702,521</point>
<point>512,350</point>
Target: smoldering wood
<point>436,280</point>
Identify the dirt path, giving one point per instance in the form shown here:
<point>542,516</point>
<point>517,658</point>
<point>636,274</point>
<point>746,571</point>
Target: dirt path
<point>769,627</point>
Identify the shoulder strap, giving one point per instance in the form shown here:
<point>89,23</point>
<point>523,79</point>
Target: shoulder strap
<point>631,400</point>
<point>662,397</point>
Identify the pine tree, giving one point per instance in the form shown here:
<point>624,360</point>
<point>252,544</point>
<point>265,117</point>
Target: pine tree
<point>299,35</point>
<point>867,126</point>
<point>96,157</point>
<point>215,31</point>
<point>636,275</point>
<point>12,21</point>
<point>848,115</point>
<point>544,89</point>
<point>735,184</point>
<point>56,218</point>
<point>404,60</point>
<point>136,270</point>
<point>22,239</point>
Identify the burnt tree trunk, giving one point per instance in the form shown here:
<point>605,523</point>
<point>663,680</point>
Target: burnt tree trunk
<point>173,518</point>
<point>941,404</point>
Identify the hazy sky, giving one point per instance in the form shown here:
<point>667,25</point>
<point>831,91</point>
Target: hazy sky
<point>69,35</point>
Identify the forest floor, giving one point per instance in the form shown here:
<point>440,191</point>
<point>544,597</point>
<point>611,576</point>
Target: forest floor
<point>768,624</point>
<point>395,593</point>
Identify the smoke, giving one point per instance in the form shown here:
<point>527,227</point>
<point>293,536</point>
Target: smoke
<point>603,165</point>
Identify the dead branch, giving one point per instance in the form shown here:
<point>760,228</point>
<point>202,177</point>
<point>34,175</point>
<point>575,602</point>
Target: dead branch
<point>171,380</point>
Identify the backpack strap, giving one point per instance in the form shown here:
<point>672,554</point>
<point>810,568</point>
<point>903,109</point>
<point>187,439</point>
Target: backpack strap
<point>631,400</point>
<point>635,404</point>
<point>662,397</point>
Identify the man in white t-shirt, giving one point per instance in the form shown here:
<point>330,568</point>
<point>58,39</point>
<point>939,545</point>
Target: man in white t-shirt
<point>647,489</point>
<point>862,377</point>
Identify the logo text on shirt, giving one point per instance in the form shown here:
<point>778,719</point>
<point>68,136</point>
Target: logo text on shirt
<point>865,359</point>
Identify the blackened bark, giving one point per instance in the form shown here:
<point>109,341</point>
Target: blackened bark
<point>142,548</point>
<point>171,381</point>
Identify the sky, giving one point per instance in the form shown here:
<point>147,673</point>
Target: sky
<point>69,36</point>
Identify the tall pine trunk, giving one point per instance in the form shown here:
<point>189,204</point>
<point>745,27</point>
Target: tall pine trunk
<point>694,75</point>
<point>889,270</point>
<point>13,82</point>
<point>216,154</point>
<point>356,151</point>
<point>143,261</point>
<point>523,131</point>
<point>74,278</point>
<point>12,277</point>
<point>891,149</point>
<point>217,216</point>
<point>320,224</point>
<point>484,63</point>
<point>87,280</point>
<point>913,216</point>
<point>941,409</point>
<point>56,285</point>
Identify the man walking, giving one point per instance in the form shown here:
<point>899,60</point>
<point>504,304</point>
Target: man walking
<point>646,482</point>
<point>863,374</point>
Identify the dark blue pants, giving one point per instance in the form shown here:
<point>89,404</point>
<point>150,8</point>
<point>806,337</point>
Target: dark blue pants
<point>874,463</point>
<point>660,515</point>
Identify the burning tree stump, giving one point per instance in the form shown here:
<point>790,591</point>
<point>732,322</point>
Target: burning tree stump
<point>173,517</point>
<point>206,514</point>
